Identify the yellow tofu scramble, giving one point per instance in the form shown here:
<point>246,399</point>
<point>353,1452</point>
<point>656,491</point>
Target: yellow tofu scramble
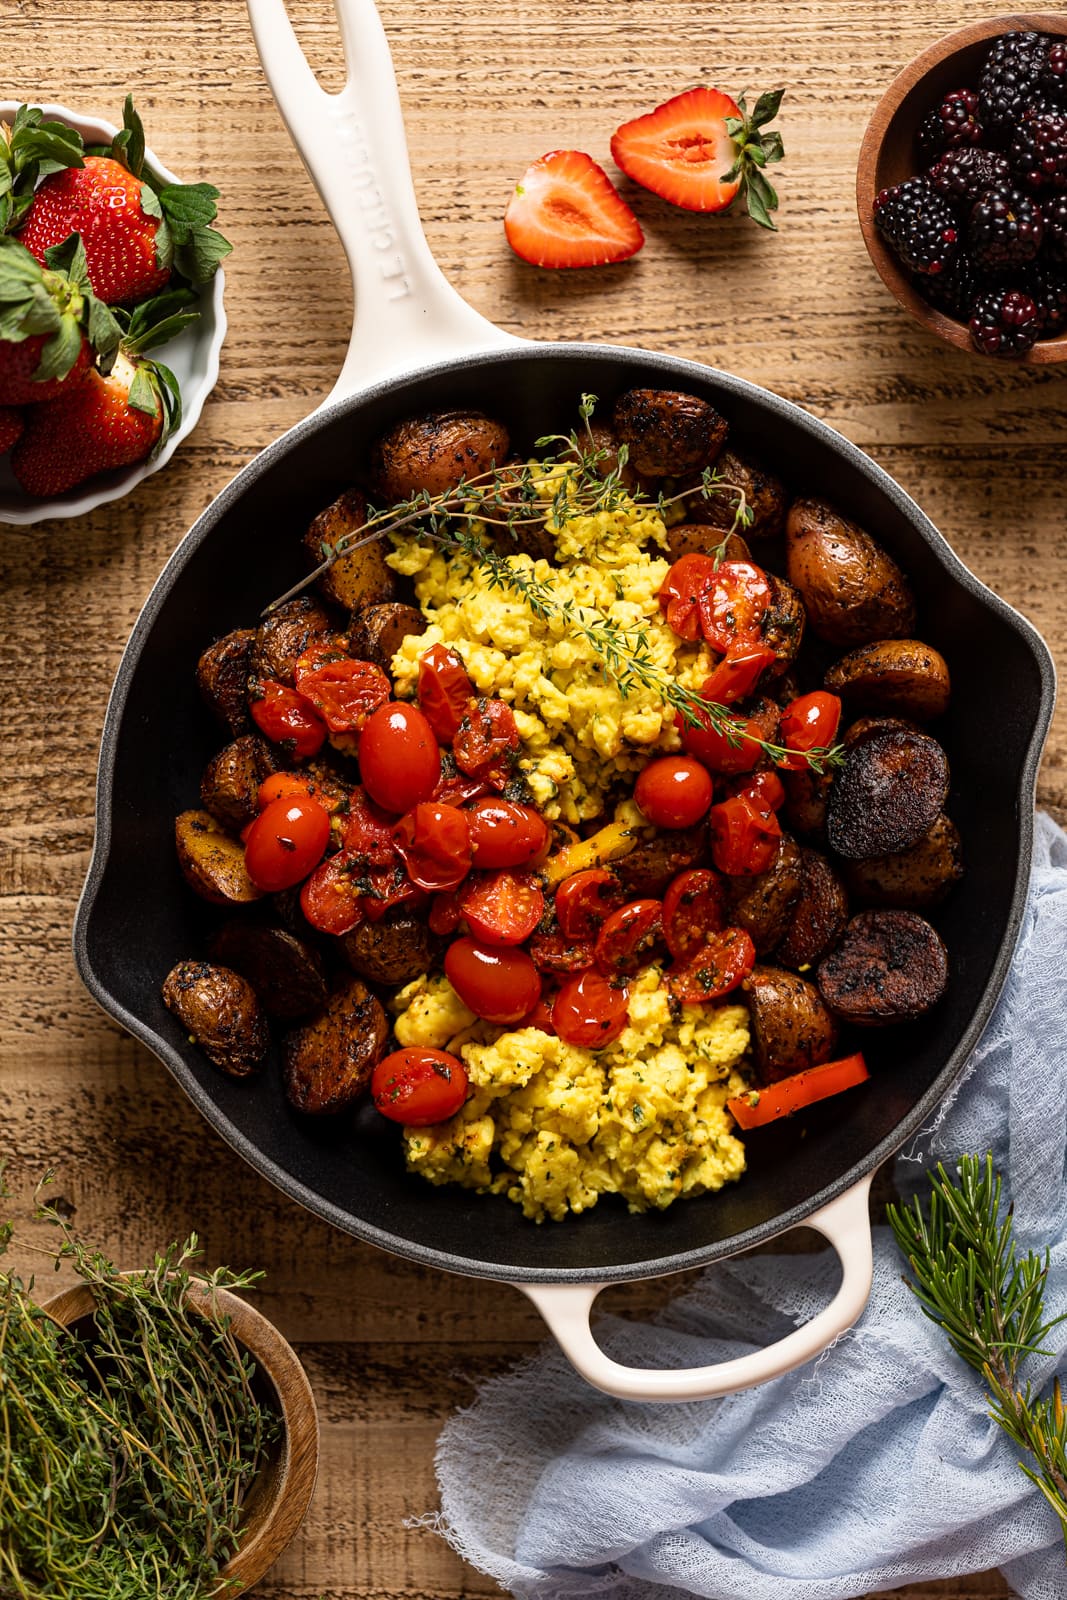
<point>554,1126</point>
<point>579,733</point>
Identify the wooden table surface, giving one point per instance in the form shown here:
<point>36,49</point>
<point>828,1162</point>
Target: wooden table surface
<point>392,1349</point>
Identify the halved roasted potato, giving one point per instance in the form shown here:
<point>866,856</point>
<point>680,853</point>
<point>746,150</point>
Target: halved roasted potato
<point>329,1061</point>
<point>212,861</point>
<point>434,452</point>
<point>393,951</point>
<point>817,917</point>
<point>890,966</point>
<point>911,879</point>
<point>378,631</point>
<point>360,577</point>
<point>763,904</point>
<point>852,589</point>
<point>764,496</point>
<point>284,971</point>
<point>886,795</point>
<point>284,635</point>
<point>222,678</point>
<point>900,677</point>
<point>791,1027</point>
<point>232,778</point>
<point>667,432</point>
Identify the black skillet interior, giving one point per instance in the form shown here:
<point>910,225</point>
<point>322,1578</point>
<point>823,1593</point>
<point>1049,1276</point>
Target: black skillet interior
<point>137,917</point>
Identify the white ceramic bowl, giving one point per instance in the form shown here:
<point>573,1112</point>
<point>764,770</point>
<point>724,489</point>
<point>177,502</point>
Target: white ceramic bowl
<point>193,357</point>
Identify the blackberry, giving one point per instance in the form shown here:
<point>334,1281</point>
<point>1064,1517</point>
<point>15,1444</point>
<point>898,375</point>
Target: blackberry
<point>1004,322</point>
<point>918,224</point>
<point>1047,287</point>
<point>1009,81</point>
<point>963,175</point>
<point>1054,211</point>
<point>951,125</point>
<point>1052,80</point>
<point>1005,230</point>
<point>954,291</point>
<point>1039,151</point>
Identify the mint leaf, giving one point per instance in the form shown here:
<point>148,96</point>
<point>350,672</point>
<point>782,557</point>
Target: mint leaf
<point>199,259</point>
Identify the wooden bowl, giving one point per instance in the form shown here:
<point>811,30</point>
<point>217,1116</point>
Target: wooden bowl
<point>889,154</point>
<point>281,1493</point>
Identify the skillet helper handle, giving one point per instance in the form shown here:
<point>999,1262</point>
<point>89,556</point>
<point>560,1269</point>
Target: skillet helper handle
<point>566,1308</point>
<point>352,143</point>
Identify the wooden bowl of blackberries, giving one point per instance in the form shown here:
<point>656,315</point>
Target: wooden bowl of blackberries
<point>962,188</point>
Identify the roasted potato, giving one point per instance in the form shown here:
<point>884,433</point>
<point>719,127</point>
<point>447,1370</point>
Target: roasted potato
<point>360,578</point>
<point>782,627</point>
<point>284,971</point>
<point>903,677</point>
<point>763,904</point>
<point>890,966</point>
<point>212,861</point>
<point>852,589</point>
<point>914,878</point>
<point>222,677</point>
<point>378,632</point>
<point>791,1027</point>
<point>231,781</point>
<point>329,1061</point>
<point>818,915</point>
<point>687,538</point>
<point>887,795</point>
<point>605,438</point>
<point>434,452</point>
<point>666,432</point>
<point>807,795</point>
<point>393,951</point>
<point>765,497</point>
<point>221,1012</point>
<point>284,635</point>
<point>863,727</point>
<point>650,866</point>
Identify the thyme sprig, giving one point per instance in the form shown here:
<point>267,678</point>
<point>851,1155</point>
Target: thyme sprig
<point>970,1279</point>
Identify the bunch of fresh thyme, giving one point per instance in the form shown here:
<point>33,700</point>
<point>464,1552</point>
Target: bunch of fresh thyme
<point>970,1280</point>
<point>582,479</point>
<point>126,1447</point>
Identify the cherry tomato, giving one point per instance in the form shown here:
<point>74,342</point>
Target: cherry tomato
<point>399,761</point>
<point>585,900</point>
<point>540,1017</point>
<point>444,916</point>
<point>419,1086</point>
<point>368,830</point>
<point>498,983</point>
<point>434,842</point>
<point>286,842</point>
<point>382,888</point>
<point>722,961</point>
<point>344,692</point>
<point>285,786</point>
<point>744,837</point>
<point>629,937</point>
<point>288,720</point>
<point>737,674</point>
<point>502,907</point>
<point>693,906</point>
<point>330,899</point>
<point>732,606</point>
<point>504,834</point>
<point>765,789</point>
<point>590,1011</point>
<point>680,596</point>
<point>454,787</point>
<point>674,792</point>
<point>444,690</point>
<point>559,952</point>
<point>703,740</point>
<point>809,722</point>
<point>487,742</point>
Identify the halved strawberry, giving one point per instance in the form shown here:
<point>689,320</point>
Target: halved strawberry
<point>701,150</point>
<point>565,212</point>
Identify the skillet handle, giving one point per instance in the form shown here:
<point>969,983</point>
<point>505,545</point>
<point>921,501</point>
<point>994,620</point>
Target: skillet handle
<point>566,1309</point>
<point>407,314</point>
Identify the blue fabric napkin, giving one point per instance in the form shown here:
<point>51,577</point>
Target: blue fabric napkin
<point>876,1466</point>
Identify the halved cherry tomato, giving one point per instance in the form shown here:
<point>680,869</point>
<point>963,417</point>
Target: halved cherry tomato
<point>764,788</point>
<point>502,907</point>
<point>486,742</point>
<point>399,761</point>
<point>368,830</point>
<point>505,834</point>
<point>629,937</point>
<point>454,788</point>
<point>419,1086</point>
<point>720,964</point>
<point>714,749</point>
<point>559,952</point>
<point>674,792</point>
<point>444,690</point>
<point>444,915</point>
<point>585,900</point>
<point>285,843</point>
<point>383,888</point>
<point>680,597</point>
<point>737,674</point>
<point>540,1016</point>
<point>732,606</point>
<point>434,842</point>
<point>497,982</point>
<point>744,836</point>
<point>590,1011</point>
<point>330,899</point>
<point>781,1099</point>
<point>693,906</point>
<point>344,692</point>
<point>809,722</point>
<point>288,720</point>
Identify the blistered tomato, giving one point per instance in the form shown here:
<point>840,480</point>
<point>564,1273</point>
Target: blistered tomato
<point>344,692</point>
<point>737,751</point>
<point>585,900</point>
<point>486,743</point>
<point>288,720</point>
<point>744,836</point>
<point>501,907</point>
<point>286,842</point>
<point>284,786</point>
<point>590,1011</point>
<point>810,722</point>
<point>693,906</point>
<point>503,833</point>
<point>434,842</point>
<point>629,937</point>
<point>444,690</point>
<point>497,982</point>
<point>732,606</point>
<point>330,898</point>
<point>419,1086</point>
<point>737,674</point>
<point>719,965</point>
<point>399,760</point>
<point>674,792</point>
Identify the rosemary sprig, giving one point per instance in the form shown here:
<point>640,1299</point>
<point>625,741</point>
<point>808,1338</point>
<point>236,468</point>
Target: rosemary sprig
<point>970,1280</point>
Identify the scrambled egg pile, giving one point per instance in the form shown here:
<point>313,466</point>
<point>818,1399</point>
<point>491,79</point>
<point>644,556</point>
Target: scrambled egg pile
<point>553,1126</point>
<point>579,733</point>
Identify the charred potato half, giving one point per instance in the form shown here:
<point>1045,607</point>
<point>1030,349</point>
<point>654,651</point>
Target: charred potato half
<point>378,632</point>
<point>914,878</point>
<point>765,497</point>
<point>666,432</point>
<point>360,578</point>
<point>901,677</point>
<point>434,452</point>
<point>890,966</point>
<point>231,781</point>
<point>763,904</point>
<point>649,867</point>
<point>887,795</point>
<point>283,637</point>
<point>392,951</point>
<point>791,1027</point>
<point>817,917</point>
<point>852,589</point>
<point>212,861</point>
<point>782,628</point>
<point>329,1061</point>
<point>284,971</point>
<point>688,538</point>
<point>220,1010</point>
<point>222,678</point>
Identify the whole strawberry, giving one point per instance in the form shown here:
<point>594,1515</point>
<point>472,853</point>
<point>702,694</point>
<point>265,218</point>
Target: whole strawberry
<point>51,324</point>
<point>11,426</point>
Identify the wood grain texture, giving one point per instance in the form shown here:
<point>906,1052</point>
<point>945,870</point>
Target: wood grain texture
<point>392,1348</point>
